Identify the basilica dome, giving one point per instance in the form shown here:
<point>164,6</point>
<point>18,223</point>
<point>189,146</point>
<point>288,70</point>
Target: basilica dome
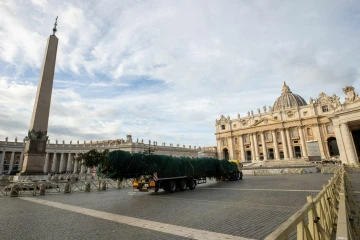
<point>288,99</point>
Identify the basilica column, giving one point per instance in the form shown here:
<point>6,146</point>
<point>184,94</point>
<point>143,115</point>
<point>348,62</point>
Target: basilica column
<point>21,160</point>
<point>276,148</point>
<point>62,163</point>
<point>340,143</point>
<point>302,141</point>
<point>242,150</point>
<point>348,144</point>
<point>69,162</point>
<point>290,148</point>
<point>256,146</point>
<point>47,162</point>
<point>318,137</point>
<point>75,164</point>
<point>54,167</point>
<point>2,162</point>
<point>11,162</point>
<point>264,146</point>
<point>252,147</point>
<point>231,148</point>
<point>284,144</point>
<point>82,168</point>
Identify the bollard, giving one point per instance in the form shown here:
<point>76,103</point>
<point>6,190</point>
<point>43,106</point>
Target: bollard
<point>42,188</point>
<point>67,188</point>
<point>87,187</point>
<point>28,178</point>
<point>3,180</point>
<point>72,177</point>
<point>35,188</point>
<point>15,190</point>
<point>103,185</point>
<point>55,177</point>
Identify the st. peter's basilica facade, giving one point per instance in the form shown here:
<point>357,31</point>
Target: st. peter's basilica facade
<point>281,131</point>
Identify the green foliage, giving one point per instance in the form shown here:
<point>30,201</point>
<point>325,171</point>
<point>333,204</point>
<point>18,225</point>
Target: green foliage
<point>121,164</point>
<point>92,158</point>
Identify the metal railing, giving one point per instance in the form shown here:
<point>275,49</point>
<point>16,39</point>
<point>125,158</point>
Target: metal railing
<point>348,222</point>
<point>35,187</point>
<point>333,209</point>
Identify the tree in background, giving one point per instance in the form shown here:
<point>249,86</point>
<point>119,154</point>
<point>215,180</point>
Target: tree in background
<point>92,158</point>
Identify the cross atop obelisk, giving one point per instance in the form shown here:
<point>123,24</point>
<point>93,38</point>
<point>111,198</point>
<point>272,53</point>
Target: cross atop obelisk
<point>37,135</point>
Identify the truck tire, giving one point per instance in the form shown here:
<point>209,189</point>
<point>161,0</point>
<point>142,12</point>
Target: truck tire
<point>172,186</point>
<point>183,185</point>
<point>241,175</point>
<point>192,184</point>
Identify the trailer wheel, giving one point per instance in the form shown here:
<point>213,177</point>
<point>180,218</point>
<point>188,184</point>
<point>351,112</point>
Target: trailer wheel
<point>183,185</point>
<point>172,186</point>
<point>192,185</point>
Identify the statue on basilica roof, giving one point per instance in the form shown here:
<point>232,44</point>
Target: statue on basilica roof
<point>350,93</point>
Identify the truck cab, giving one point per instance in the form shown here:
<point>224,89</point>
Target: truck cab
<point>237,175</point>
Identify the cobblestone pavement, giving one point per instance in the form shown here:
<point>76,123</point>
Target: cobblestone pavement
<point>250,208</point>
<point>354,176</point>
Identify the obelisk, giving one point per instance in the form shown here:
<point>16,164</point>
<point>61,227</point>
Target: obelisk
<point>37,136</point>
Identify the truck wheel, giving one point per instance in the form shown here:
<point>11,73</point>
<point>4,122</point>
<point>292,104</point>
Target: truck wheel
<point>241,175</point>
<point>192,185</point>
<point>183,185</point>
<point>172,186</point>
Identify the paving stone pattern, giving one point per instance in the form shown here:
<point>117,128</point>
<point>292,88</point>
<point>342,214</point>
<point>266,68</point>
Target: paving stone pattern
<point>229,209</point>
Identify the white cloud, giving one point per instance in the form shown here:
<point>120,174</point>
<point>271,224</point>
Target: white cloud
<point>165,70</point>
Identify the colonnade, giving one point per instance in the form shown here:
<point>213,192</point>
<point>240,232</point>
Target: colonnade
<point>54,162</point>
<point>12,163</point>
<point>286,143</point>
<point>63,162</point>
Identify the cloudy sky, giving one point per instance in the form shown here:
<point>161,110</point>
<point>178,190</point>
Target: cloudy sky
<point>165,70</point>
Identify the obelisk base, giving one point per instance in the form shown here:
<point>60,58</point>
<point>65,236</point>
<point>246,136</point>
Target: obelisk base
<point>34,157</point>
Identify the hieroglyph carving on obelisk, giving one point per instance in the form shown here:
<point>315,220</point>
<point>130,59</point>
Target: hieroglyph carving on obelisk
<point>37,136</point>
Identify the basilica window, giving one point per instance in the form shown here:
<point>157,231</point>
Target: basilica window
<point>294,133</point>
<point>234,125</point>
<point>222,127</point>
<point>325,108</point>
<point>329,129</point>
<point>278,136</point>
<point>275,117</point>
<point>236,141</point>
<point>259,138</point>
<point>305,113</point>
<point>309,132</point>
<point>246,139</point>
<point>224,142</point>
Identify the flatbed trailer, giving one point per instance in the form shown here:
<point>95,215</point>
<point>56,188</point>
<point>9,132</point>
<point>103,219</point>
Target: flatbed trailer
<point>148,183</point>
